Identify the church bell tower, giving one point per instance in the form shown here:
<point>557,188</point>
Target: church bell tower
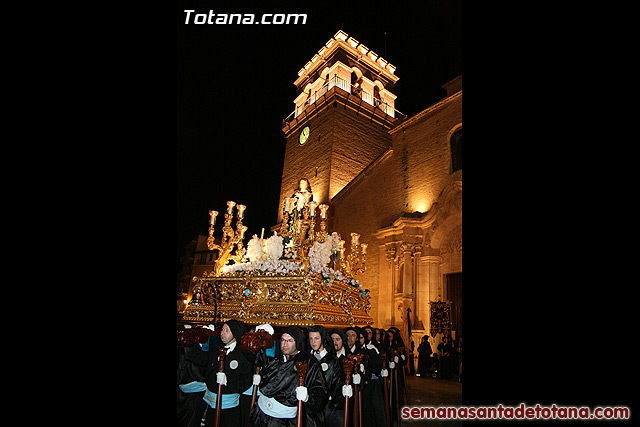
<point>342,113</point>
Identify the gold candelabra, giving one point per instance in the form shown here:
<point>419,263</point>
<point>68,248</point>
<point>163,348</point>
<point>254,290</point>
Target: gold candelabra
<point>355,262</point>
<point>230,238</point>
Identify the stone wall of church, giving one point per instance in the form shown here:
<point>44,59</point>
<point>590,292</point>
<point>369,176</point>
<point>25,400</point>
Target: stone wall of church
<point>409,178</point>
<point>422,148</point>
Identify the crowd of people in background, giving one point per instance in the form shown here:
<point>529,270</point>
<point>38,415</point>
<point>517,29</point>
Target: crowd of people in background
<point>263,388</point>
<point>445,363</point>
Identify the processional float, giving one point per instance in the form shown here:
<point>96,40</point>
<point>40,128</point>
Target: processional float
<point>299,276</point>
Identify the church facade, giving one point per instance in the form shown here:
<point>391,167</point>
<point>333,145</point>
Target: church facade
<point>395,180</point>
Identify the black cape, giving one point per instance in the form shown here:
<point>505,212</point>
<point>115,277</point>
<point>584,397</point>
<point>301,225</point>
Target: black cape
<point>279,381</point>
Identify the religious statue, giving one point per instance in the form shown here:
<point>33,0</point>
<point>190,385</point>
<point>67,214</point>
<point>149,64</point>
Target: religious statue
<point>299,199</point>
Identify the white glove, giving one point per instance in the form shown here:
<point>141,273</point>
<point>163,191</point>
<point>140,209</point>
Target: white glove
<point>302,394</point>
<point>347,391</point>
<point>211,326</point>
<point>221,378</point>
<point>395,359</point>
<point>403,358</point>
<point>256,379</point>
<point>356,378</point>
<point>384,373</point>
<point>392,365</point>
<point>362,368</point>
<point>187,326</point>
<point>265,327</point>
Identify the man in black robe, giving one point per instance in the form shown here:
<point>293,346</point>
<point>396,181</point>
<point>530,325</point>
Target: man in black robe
<point>279,390</point>
<point>355,345</point>
<point>339,342</point>
<point>424,353</point>
<point>323,350</point>
<point>446,351</point>
<point>372,397</point>
<point>235,378</point>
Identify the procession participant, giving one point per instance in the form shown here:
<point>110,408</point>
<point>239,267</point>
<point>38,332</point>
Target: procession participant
<point>424,353</point>
<point>384,345</point>
<point>339,342</point>
<point>279,390</point>
<point>355,340</point>
<point>396,344</point>
<point>322,348</point>
<point>372,397</point>
<point>355,345</point>
<point>379,334</point>
<point>191,388</point>
<point>235,378</point>
<point>247,396</point>
<point>373,337</point>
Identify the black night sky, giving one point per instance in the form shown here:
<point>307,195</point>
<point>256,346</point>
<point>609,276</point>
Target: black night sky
<point>235,85</point>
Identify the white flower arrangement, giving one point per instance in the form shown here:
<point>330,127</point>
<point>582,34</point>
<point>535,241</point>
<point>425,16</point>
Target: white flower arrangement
<point>254,249</point>
<point>273,247</point>
<point>278,266</point>
<point>319,255</point>
<point>273,256</point>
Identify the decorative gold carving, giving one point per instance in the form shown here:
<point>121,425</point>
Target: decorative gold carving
<point>281,301</point>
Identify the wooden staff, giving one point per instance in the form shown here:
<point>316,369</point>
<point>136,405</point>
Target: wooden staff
<point>221,354</point>
<point>357,404</point>
<point>347,367</point>
<point>301,371</point>
<point>253,397</point>
<point>385,388</point>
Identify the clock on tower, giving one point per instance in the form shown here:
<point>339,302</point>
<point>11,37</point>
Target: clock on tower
<point>304,135</point>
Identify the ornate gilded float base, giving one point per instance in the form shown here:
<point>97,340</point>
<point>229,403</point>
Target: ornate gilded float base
<point>279,300</point>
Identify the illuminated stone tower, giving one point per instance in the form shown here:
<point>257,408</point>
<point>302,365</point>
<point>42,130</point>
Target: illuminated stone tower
<point>343,111</point>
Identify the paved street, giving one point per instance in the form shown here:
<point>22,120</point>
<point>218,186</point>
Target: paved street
<point>435,393</point>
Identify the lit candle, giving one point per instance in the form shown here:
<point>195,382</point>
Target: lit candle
<point>287,204</point>
<point>312,208</point>
<point>364,248</point>
<point>341,245</point>
<point>354,239</point>
<point>262,234</point>
<point>241,209</point>
<point>323,211</point>
<point>213,214</point>
<point>231,205</point>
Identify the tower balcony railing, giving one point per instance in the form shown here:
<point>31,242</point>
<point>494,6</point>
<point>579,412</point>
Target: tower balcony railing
<point>347,87</point>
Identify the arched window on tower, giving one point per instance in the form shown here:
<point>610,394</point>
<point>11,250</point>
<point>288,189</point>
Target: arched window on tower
<point>456,150</point>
